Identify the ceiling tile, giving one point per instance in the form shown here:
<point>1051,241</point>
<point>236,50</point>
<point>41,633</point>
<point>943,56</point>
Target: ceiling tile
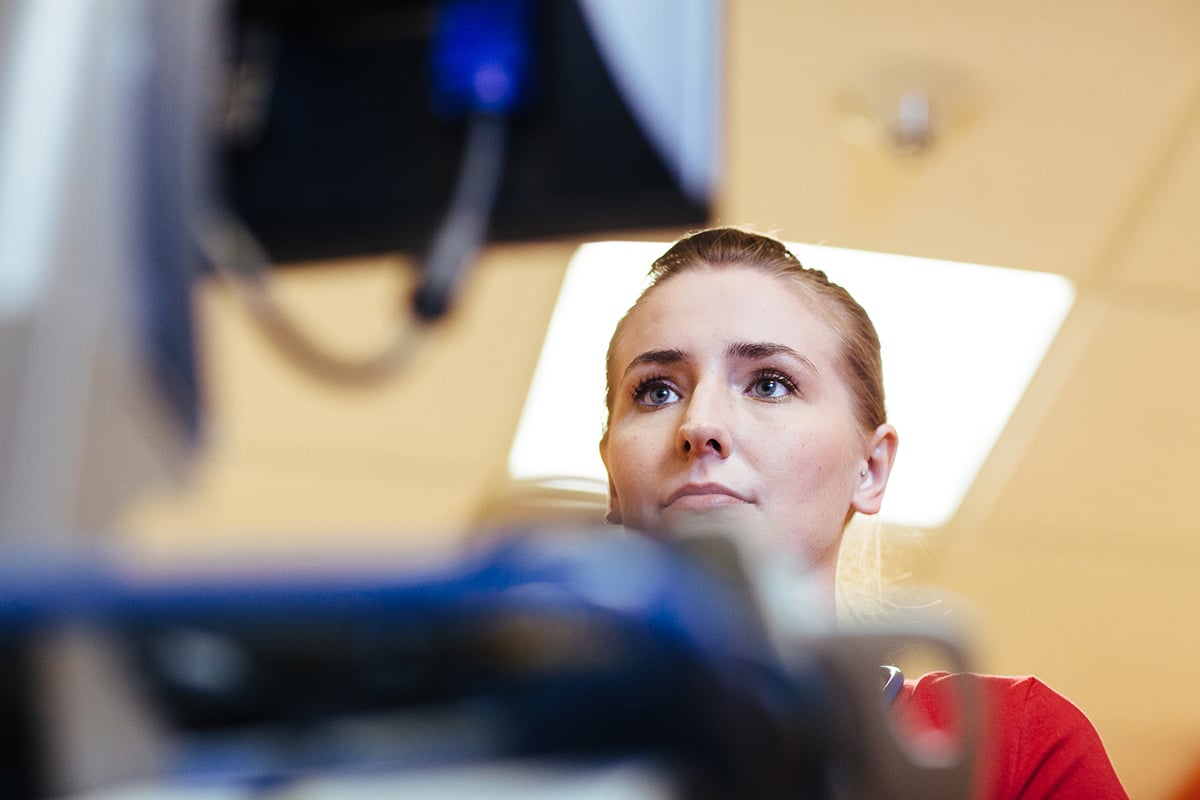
<point>1117,449</point>
<point>1162,253</point>
<point>1070,105</point>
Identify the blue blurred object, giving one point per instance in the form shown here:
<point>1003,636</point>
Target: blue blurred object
<point>568,647</point>
<point>481,57</point>
<point>581,646</point>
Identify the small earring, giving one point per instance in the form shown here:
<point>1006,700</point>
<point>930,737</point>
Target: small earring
<point>862,473</point>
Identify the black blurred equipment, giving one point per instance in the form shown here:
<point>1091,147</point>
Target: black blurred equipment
<point>430,126</point>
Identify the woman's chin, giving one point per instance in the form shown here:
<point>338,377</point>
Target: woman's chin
<point>728,520</point>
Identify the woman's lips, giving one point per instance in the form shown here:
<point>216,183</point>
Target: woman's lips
<point>701,496</point>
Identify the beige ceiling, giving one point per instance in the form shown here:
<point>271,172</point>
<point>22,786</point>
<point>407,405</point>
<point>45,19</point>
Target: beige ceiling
<point>1071,144</point>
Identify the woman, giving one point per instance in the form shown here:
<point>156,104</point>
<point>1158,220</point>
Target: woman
<point>745,392</point>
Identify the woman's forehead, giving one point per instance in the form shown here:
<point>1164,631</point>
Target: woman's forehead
<point>710,307</point>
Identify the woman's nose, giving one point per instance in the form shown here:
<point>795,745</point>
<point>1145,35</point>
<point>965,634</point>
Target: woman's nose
<point>706,428</point>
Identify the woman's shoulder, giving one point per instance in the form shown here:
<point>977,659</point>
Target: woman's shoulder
<point>1034,742</point>
<point>1007,695</point>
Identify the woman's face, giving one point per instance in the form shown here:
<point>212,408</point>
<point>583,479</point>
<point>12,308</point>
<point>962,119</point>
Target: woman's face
<point>729,411</point>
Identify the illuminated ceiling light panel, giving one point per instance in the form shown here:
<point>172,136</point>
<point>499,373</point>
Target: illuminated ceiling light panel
<point>960,344</point>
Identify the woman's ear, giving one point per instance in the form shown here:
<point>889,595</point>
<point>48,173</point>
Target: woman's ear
<point>876,469</point>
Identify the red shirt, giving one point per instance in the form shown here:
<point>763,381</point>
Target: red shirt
<point>1034,742</point>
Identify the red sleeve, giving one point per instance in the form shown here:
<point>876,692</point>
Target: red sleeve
<point>1034,742</point>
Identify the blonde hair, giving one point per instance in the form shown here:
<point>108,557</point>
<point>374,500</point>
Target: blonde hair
<point>860,592</point>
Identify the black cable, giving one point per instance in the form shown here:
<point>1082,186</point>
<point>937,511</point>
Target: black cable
<point>237,256</point>
<point>463,230</point>
<point>240,260</point>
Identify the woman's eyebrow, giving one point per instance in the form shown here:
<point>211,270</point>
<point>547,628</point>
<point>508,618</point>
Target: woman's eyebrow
<point>758,350</point>
<point>663,357</point>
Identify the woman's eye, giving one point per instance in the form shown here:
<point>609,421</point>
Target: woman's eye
<point>767,387</point>
<point>655,394</point>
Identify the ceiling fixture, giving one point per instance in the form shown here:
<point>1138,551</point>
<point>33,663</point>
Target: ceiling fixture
<point>906,105</point>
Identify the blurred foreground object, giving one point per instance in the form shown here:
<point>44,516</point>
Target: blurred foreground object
<point>434,126</point>
<point>103,111</point>
<point>103,171</point>
<point>347,121</point>
<point>546,652</point>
